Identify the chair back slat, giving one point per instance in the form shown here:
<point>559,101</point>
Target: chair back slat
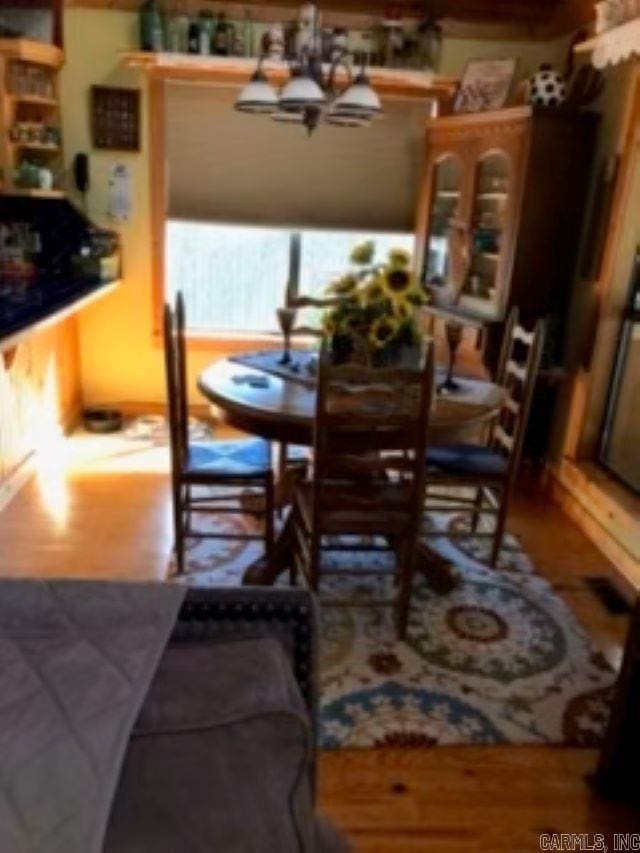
<point>517,370</point>
<point>512,405</point>
<point>502,437</point>
<point>507,345</point>
<point>520,334</point>
<point>370,437</point>
<point>517,373</point>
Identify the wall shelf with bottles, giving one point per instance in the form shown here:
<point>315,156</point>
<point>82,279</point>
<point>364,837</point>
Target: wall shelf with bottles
<point>238,69</point>
<point>30,135</point>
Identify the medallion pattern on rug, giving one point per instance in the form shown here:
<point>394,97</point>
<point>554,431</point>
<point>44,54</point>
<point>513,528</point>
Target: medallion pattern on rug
<point>500,659</point>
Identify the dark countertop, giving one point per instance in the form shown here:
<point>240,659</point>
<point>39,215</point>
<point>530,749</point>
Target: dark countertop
<point>45,297</point>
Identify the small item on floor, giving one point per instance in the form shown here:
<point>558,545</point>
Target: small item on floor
<point>154,428</point>
<point>253,380</point>
<point>98,419</point>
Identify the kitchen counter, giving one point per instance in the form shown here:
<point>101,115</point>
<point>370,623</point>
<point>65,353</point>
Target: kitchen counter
<point>47,300</point>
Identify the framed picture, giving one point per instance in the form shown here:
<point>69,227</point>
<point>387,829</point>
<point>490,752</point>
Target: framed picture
<point>115,118</point>
<point>485,85</point>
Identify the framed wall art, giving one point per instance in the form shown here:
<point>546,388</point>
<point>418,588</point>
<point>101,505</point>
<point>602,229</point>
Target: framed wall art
<point>115,118</point>
<point>485,85</point>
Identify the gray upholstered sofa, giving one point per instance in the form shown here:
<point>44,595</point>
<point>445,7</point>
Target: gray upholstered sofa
<point>222,756</point>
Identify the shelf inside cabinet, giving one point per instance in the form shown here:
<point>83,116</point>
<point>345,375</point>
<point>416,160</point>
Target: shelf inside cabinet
<point>34,100</point>
<point>26,192</point>
<point>42,147</point>
<point>29,50</point>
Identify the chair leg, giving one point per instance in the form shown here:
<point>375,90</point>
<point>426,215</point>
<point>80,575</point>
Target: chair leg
<point>498,533</point>
<point>314,561</point>
<point>268,519</point>
<point>178,527</point>
<point>406,557</point>
<point>477,509</point>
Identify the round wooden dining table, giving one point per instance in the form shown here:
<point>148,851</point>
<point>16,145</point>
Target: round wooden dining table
<point>283,409</point>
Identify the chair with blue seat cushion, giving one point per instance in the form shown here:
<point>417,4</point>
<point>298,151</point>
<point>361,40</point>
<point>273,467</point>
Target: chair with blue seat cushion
<point>366,485</point>
<point>223,469</point>
<point>490,469</point>
<point>467,458</point>
<point>238,456</point>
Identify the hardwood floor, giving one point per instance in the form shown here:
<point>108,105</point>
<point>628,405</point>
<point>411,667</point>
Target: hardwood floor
<point>101,509</point>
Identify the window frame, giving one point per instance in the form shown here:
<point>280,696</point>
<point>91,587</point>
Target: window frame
<point>218,341</point>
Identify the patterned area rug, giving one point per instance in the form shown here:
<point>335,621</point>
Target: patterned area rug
<point>501,659</point>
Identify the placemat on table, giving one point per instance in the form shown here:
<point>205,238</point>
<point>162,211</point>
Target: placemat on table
<point>301,368</point>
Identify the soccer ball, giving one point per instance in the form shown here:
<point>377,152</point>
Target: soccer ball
<point>547,88</point>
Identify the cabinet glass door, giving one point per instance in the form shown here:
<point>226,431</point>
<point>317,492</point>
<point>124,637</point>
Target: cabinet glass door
<point>480,293</point>
<point>445,205</point>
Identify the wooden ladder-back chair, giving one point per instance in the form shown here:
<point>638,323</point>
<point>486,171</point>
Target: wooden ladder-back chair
<point>368,473</point>
<point>490,469</point>
<point>231,465</point>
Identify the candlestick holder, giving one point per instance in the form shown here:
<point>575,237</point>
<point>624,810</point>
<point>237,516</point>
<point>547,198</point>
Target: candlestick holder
<point>286,319</point>
<point>453,332</point>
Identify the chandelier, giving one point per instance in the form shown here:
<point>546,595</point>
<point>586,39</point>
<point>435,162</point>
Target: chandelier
<point>312,93</point>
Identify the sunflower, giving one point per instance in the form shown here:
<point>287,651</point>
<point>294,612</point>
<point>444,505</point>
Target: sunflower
<point>399,258</point>
<point>397,281</point>
<point>374,290</point>
<point>363,253</point>
<point>382,331</point>
<point>403,308</point>
<point>343,286</point>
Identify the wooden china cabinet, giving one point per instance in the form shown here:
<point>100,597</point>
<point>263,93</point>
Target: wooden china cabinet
<point>500,215</point>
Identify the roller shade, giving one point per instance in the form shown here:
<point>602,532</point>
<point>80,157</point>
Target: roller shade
<point>226,166</point>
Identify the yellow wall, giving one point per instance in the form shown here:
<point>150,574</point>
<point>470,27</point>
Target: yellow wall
<point>119,360</point>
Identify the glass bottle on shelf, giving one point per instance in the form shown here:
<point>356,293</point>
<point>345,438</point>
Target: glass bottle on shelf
<point>176,32</point>
<point>151,29</point>
<point>205,32</point>
<point>221,33</point>
<point>193,40</point>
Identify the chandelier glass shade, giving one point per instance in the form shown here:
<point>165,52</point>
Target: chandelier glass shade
<point>310,94</point>
<point>258,96</point>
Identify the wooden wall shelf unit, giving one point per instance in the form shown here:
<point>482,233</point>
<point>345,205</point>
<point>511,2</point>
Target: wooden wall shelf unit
<point>236,70</point>
<point>514,183</point>
<point>30,118</point>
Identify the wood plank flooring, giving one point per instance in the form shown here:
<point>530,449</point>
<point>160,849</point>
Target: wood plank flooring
<point>100,509</point>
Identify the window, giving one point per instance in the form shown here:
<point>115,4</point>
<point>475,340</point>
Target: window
<point>233,277</point>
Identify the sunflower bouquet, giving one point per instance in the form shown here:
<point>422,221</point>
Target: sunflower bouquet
<point>373,315</point>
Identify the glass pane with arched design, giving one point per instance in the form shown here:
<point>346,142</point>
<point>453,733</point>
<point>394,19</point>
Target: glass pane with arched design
<point>445,200</point>
<point>490,203</point>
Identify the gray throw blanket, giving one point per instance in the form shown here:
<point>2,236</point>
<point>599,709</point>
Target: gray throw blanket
<point>76,661</point>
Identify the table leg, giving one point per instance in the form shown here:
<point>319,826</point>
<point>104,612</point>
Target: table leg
<point>441,575</point>
<point>263,573</point>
